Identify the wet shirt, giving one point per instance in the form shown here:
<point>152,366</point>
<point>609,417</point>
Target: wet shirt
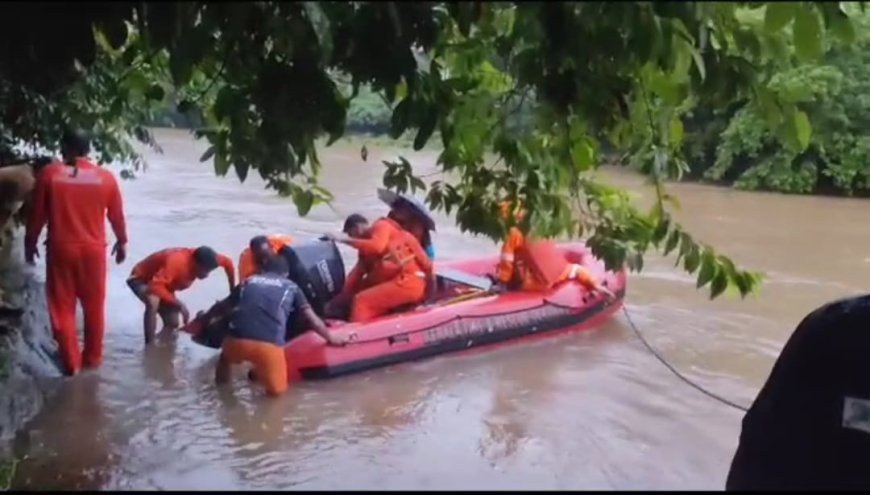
<point>264,304</point>
<point>75,203</point>
<point>172,270</point>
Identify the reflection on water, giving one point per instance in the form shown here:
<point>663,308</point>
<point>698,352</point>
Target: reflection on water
<point>577,411</point>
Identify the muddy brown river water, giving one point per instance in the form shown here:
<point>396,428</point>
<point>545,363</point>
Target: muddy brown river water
<point>579,411</point>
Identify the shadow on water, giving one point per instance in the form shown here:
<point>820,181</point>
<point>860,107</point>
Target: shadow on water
<point>590,410</point>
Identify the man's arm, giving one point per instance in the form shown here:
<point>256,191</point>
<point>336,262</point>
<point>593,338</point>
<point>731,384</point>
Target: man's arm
<point>37,219</point>
<point>227,264</point>
<point>301,306</point>
<point>377,244</point>
<point>318,326</point>
<point>115,211</point>
<point>354,279</point>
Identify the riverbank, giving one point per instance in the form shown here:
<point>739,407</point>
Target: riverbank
<point>28,373</point>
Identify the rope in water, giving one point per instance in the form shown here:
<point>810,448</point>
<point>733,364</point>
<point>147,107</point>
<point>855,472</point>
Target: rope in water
<point>675,371</point>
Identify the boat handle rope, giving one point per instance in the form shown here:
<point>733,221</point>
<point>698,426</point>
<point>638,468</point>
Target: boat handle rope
<point>675,371</point>
<point>545,302</point>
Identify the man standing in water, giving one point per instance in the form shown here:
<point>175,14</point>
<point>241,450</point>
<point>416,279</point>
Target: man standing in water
<point>258,311</point>
<point>155,280</point>
<point>74,198</point>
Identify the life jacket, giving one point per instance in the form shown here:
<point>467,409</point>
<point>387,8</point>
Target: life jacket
<point>265,304</point>
<point>400,258</point>
<point>542,260</point>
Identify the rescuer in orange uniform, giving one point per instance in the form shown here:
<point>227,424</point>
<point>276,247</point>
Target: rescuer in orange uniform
<point>155,280</point>
<point>253,255</point>
<point>74,198</point>
<point>536,266</point>
<point>392,270</point>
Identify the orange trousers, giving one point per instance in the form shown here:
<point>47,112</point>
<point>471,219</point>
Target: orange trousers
<point>380,299</point>
<point>270,364</point>
<point>77,273</point>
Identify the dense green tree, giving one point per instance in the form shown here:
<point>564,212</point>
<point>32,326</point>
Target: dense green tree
<point>734,145</point>
<point>266,77</point>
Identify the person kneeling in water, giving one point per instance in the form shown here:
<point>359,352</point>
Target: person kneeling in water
<point>155,280</point>
<point>258,311</point>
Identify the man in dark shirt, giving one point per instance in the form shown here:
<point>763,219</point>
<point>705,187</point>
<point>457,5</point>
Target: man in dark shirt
<point>809,428</point>
<point>257,312</point>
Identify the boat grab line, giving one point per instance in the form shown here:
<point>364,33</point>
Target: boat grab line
<point>675,371</point>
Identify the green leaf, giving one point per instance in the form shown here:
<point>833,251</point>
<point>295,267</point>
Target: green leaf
<point>661,231</point>
<point>699,62</point>
<point>320,24</point>
<point>708,269</point>
<point>401,90</point>
<point>208,154</point>
<point>808,33</point>
<point>241,170</point>
<point>638,262</point>
<point>426,129</point>
<point>803,130</point>
<point>399,120</point>
<point>676,131</point>
<point>304,200</point>
<point>416,183</point>
<point>672,243</point>
<point>777,15</point>
<point>582,154</point>
<point>693,258</point>
<point>221,164</point>
<point>842,27</point>
<point>744,283</point>
<point>720,283</point>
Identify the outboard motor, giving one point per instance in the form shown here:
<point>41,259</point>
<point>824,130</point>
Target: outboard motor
<point>317,268</point>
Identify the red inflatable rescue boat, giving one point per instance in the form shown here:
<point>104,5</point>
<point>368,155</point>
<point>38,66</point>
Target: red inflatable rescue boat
<point>457,318</point>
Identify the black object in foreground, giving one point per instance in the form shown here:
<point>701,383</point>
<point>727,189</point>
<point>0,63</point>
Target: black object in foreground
<point>809,427</point>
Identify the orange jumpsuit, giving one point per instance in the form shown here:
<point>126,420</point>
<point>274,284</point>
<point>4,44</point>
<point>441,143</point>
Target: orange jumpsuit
<point>248,267</point>
<point>174,269</point>
<point>75,202</point>
<point>391,272</point>
<point>515,264</point>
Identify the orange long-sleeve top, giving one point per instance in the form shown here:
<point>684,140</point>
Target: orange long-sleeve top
<point>75,202</point>
<point>376,247</point>
<point>174,269</point>
<point>507,260</point>
<point>511,268</point>
<point>248,267</point>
